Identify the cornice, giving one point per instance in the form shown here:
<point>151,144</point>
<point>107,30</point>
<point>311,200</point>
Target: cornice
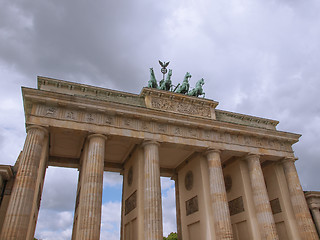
<point>242,119</point>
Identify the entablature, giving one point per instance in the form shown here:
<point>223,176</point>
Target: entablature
<point>61,110</point>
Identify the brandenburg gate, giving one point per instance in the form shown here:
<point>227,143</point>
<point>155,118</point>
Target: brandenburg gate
<point>235,176</point>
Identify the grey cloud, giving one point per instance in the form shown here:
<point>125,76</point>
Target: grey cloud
<point>94,42</point>
<point>59,191</point>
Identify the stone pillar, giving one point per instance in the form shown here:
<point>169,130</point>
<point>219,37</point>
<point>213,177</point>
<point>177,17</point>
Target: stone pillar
<point>91,190</point>
<point>221,214</point>
<point>316,216</point>
<point>261,200</point>
<point>178,211</point>
<point>306,227</point>
<point>152,192</point>
<point>19,211</point>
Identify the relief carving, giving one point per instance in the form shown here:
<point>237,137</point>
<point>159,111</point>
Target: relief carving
<point>89,117</point>
<point>108,119</point>
<point>51,111</point>
<point>177,131</point>
<point>234,138</point>
<point>72,115</point>
<point>192,132</point>
<point>181,107</point>
<point>236,206</point>
<point>127,122</point>
<point>130,203</point>
<point>275,206</point>
<point>162,128</point>
<point>192,205</point>
<point>207,134</point>
<point>145,126</point>
<point>162,104</point>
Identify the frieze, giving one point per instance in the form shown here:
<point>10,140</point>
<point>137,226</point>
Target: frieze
<point>188,131</point>
<point>180,107</point>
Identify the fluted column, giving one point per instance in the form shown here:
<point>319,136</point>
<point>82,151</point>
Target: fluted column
<point>306,227</point>
<point>316,216</point>
<point>152,192</point>
<point>91,190</point>
<point>18,215</point>
<point>178,211</point>
<point>221,214</point>
<point>261,200</point>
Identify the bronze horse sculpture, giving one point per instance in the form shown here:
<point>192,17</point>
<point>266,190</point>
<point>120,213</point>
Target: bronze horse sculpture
<point>198,91</point>
<point>166,84</point>
<point>152,83</point>
<point>184,87</point>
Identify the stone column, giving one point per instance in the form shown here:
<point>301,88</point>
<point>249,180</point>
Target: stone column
<point>152,192</point>
<point>221,214</point>
<point>316,216</point>
<point>261,200</point>
<point>178,211</point>
<point>19,211</point>
<point>306,227</point>
<point>91,190</point>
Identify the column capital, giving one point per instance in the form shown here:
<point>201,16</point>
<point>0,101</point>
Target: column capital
<point>212,150</point>
<point>148,142</point>
<point>251,156</point>
<point>97,135</point>
<point>45,130</point>
<point>288,159</point>
<point>314,206</point>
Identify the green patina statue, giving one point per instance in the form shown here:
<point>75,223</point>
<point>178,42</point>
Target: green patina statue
<point>184,87</point>
<point>166,84</point>
<point>152,82</point>
<point>198,91</point>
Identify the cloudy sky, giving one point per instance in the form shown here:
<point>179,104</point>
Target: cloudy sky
<point>257,57</point>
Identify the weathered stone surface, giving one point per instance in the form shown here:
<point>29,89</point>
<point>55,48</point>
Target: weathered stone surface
<point>152,192</point>
<point>91,190</point>
<point>18,216</point>
<point>221,215</point>
<point>298,201</point>
<point>261,199</point>
<point>186,127</point>
<point>236,206</point>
